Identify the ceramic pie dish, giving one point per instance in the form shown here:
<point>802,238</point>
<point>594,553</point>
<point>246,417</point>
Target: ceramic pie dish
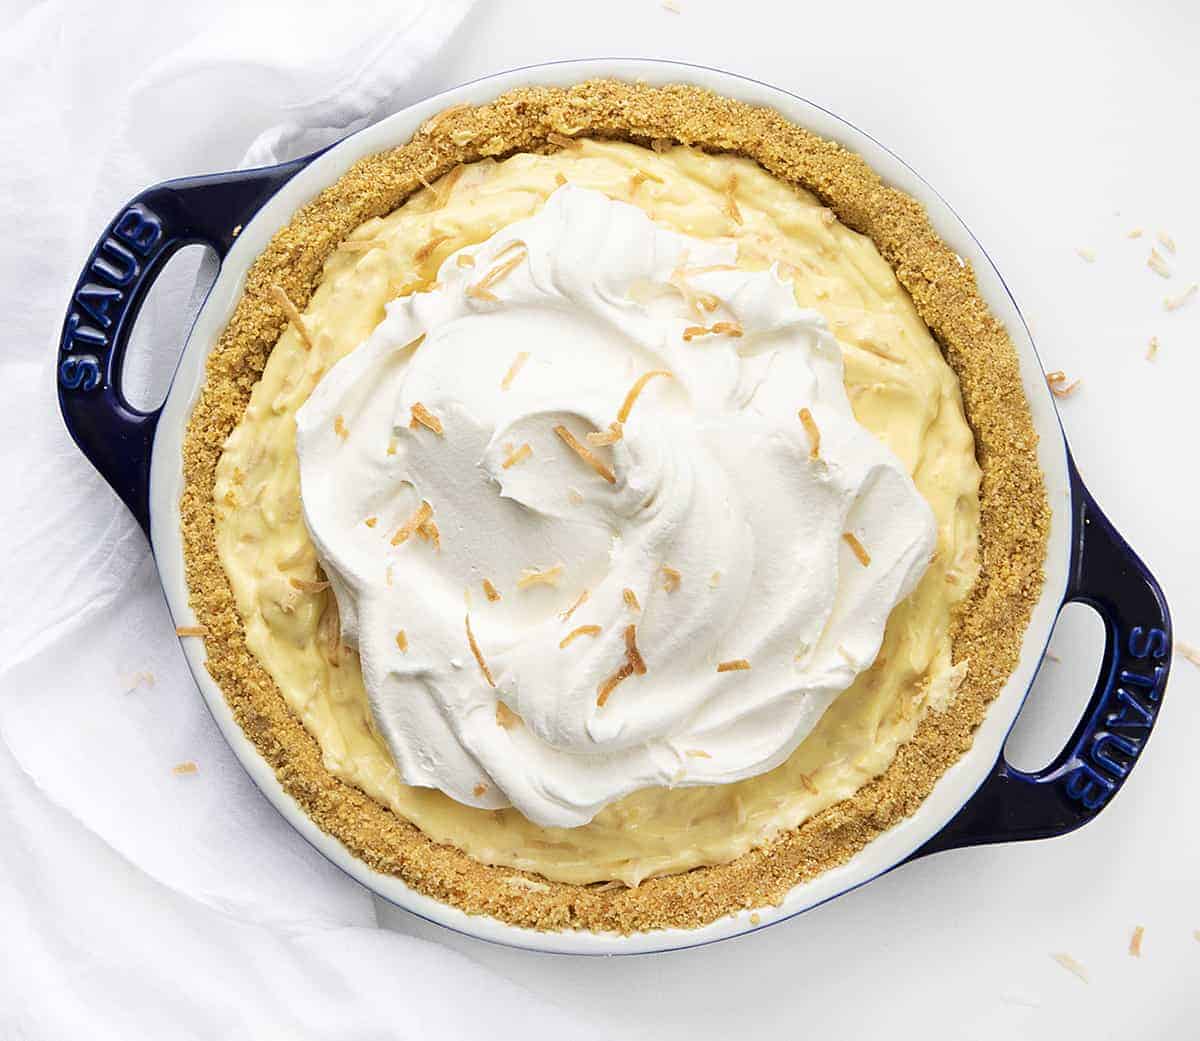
<point>979,799</point>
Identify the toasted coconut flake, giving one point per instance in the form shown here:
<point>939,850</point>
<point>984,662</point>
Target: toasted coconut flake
<point>1166,241</point>
<point>446,188</point>
<point>600,438</point>
<point>609,685</point>
<point>860,551</point>
<point>731,207</point>
<point>292,313</point>
<point>370,522</point>
<point>433,122</point>
<point>734,665</point>
<point>402,641</point>
<point>1174,303</point>
<point>632,653</point>
<point>1059,387</point>
<point>582,630</point>
<point>191,630</point>
<point>809,787</point>
<point>692,332</point>
<point>636,390</point>
<point>697,753</point>
<point>517,882</point>
<point>1086,254</point>
<point>517,455</point>
<point>306,586</point>
<point>483,288</point>
<point>672,6</point>
<point>362,245</point>
<point>561,140</point>
<point>559,179</point>
<point>426,251</point>
<point>479,790</point>
<point>483,666</point>
<point>465,260</point>
<point>518,363</point>
<point>1134,233</point>
<point>1156,264</point>
<point>814,433</point>
<point>1135,941</point>
<point>714,580</point>
<point>532,576</point>
<point>490,591</point>
<point>585,454</point>
<point>574,496</point>
<point>1071,965</point>
<point>329,632</point>
<point>428,531</point>
<point>339,427</point>
<point>422,513</point>
<point>422,415</point>
<point>1186,651</point>
<point>506,718</point>
<point>671,578</point>
<point>1152,349</point>
<point>566,615</point>
<point>188,767</point>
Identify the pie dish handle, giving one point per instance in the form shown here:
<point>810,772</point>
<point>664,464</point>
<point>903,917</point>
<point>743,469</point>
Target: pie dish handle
<point>1107,575</point>
<point>129,256</point>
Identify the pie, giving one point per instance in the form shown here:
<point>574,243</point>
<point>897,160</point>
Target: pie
<point>611,508</point>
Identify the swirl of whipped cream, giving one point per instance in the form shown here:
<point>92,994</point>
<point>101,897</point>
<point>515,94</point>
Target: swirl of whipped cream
<point>742,518</point>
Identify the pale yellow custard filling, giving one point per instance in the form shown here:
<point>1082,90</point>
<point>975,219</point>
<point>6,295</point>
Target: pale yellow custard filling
<point>899,384</point>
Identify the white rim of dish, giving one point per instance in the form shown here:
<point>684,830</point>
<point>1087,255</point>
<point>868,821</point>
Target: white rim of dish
<point>888,850</point>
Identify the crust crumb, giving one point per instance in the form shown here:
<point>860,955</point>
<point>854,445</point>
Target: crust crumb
<point>583,630</point>
<point>561,140</point>
<point>586,454</point>
<point>735,665</point>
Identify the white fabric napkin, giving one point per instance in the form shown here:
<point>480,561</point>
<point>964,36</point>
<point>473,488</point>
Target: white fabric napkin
<point>136,902</point>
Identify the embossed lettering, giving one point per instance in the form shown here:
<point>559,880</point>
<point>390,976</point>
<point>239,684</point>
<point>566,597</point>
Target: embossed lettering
<point>1147,643</point>
<point>97,300</point>
<point>115,263</point>
<point>1132,712</point>
<point>1086,786</point>
<point>78,331</point>
<point>79,372</point>
<point>1102,757</point>
<point>139,229</point>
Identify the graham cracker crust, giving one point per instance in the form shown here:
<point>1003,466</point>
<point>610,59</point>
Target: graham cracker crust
<point>1014,522</point>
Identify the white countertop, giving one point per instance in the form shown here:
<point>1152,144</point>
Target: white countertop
<point>1050,128</point>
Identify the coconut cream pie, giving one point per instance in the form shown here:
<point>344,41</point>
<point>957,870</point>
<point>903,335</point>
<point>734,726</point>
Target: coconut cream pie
<point>589,527</point>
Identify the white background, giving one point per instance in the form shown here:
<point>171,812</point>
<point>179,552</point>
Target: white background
<point>1049,127</point>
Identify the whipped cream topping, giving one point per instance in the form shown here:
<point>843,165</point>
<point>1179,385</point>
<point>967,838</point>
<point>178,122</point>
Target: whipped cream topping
<point>721,527</point>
